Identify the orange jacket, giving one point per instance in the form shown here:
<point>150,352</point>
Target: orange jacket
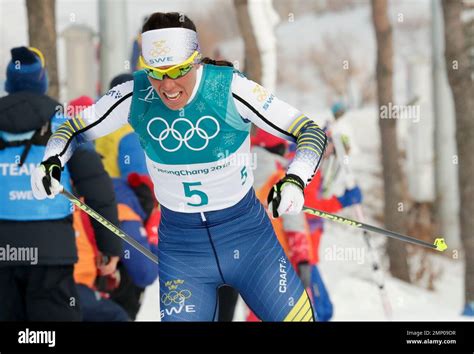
<point>85,270</point>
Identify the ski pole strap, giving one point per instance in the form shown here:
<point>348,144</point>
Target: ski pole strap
<point>93,214</point>
<point>439,244</point>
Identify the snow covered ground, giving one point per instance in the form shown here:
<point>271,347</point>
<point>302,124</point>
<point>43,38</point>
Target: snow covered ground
<point>356,297</point>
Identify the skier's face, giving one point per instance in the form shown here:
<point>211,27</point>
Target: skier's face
<point>175,93</point>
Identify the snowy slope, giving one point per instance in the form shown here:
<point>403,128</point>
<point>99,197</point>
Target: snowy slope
<point>356,297</point>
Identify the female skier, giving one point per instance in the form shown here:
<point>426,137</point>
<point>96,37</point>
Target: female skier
<point>193,120</point>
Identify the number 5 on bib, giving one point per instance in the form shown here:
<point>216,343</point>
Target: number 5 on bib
<point>188,192</point>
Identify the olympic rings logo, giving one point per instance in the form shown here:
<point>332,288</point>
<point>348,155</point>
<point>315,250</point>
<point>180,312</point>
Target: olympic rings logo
<point>159,48</point>
<point>172,132</point>
<point>176,297</point>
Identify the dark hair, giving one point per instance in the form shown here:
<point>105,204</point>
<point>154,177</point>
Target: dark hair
<point>208,60</point>
<point>160,20</point>
<point>120,79</point>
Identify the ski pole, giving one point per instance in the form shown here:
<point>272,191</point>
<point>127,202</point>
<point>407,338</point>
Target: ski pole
<point>92,213</point>
<point>439,244</point>
<point>376,268</point>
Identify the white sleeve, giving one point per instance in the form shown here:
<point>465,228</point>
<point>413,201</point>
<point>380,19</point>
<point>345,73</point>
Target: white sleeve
<point>108,114</point>
<point>278,118</point>
<point>263,108</point>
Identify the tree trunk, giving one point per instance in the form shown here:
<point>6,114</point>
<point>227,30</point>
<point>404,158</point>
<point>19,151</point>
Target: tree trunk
<point>42,34</point>
<point>392,175</point>
<point>459,77</point>
<point>252,62</point>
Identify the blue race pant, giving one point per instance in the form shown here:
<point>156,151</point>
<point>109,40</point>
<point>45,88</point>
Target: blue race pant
<point>198,252</point>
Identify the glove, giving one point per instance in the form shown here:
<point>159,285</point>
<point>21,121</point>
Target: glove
<point>45,179</point>
<point>351,197</point>
<point>287,196</point>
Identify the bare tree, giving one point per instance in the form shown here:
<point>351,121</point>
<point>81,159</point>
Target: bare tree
<point>459,72</point>
<point>42,34</point>
<point>338,75</point>
<point>392,174</point>
<point>252,64</point>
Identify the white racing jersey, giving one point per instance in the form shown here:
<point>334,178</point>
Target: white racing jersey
<point>198,157</point>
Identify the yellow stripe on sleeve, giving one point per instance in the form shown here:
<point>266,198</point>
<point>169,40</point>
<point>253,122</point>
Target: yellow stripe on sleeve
<point>59,137</point>
<point>64,134</point>
<point>300,126</point>
<point>295,122</point>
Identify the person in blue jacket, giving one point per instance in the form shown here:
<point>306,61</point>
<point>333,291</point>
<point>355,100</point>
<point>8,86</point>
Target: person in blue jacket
<point>36,273</point>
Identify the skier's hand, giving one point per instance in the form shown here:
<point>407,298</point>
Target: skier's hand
<point>108,265</point>
<point>45,179</point>
<point>287,196</point>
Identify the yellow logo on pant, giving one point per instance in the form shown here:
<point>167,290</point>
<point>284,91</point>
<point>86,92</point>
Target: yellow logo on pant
<point>176,297</point>
<point>302,311</point>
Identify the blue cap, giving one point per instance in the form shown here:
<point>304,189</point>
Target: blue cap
<point>26,72</point>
